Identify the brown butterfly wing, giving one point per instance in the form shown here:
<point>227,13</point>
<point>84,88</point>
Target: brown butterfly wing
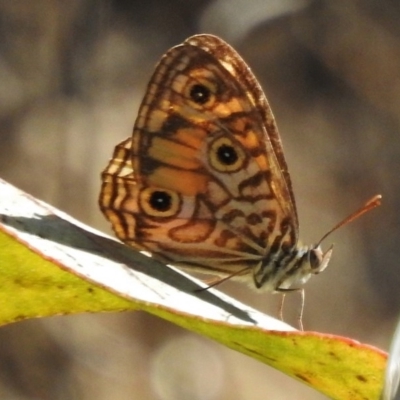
<point>203,181</point>
<point>243,74</point>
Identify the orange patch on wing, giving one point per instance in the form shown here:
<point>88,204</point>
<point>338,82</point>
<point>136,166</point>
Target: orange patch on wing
<point>263,162</point>
<point>229,107</point>
<point>249,140</point>
<point>193,232</point>
<point>188,183</point>
<point>252,140</point>
<point>193,137</point>
<point>175,154</point>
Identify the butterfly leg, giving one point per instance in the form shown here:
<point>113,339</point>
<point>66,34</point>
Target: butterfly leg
<point>217,281</point>
<point>300,316</point>
<point>281,304</point>
<point>210,283</point>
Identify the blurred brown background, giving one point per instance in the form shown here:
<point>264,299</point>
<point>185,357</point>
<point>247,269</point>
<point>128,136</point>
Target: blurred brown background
<point>72,74</point>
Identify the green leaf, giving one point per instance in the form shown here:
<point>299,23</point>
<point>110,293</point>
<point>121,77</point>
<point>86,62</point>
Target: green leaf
<point>51,264</point>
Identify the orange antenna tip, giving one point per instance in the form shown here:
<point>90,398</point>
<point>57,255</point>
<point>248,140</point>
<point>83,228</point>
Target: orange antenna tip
<point>373,202</point>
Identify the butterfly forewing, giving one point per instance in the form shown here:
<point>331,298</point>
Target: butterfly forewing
<point>232,61</point>
<point>203,182</point>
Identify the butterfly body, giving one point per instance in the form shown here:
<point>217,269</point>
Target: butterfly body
<point>203,183</point>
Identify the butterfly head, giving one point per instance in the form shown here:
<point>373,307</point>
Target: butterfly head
<point>308,261</point>
<point>316,260</point>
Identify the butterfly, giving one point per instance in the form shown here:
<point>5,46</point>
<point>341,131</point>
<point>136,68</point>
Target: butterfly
<point>203,183</point>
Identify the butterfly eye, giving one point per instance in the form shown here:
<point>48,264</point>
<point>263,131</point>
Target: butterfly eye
<point>226,155</point>
<point>159,202</point>
<point>202,94</point>
<point>315,258</point>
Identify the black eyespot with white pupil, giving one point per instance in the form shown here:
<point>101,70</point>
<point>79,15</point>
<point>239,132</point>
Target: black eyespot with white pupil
<point>160,201</point>
<point>157,202</point>
<point>200,94</point>
<point>226,155</point>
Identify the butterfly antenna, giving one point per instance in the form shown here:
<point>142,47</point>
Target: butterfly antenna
<point>373,202</point>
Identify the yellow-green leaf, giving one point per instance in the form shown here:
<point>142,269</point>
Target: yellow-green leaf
<point>51,264</point>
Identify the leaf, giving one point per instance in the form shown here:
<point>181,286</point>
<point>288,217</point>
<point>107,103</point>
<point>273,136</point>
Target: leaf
<point>51,264</point>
